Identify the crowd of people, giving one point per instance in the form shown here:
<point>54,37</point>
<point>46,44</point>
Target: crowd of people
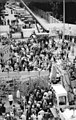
<point>39,53</point>
<point>36,54</point>
<point>39,103</point>
<point>4,115</point>
<point>30,55</point>
<point>35,106</point>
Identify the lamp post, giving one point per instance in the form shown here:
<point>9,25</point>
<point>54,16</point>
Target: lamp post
<point>63,19</point>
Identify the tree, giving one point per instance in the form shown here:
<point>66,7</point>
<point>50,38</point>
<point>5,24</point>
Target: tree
<point>54,8</point>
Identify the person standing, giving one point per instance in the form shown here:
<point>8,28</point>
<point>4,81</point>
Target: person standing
<point>3,109</point>
<point>14,110</point>
<point>23,117</point>
<point>0,109</point>
<point>10,98</point>
<point>18,94</point>
<point>74,91</point>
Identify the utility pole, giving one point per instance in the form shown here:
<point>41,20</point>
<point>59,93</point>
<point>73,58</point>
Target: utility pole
<point>63,20</point>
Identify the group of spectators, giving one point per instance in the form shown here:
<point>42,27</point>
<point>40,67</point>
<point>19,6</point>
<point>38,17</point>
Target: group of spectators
<point>4,115</point>
<point>33,54</point>
<point>37,105</point>
<point>38,53</point>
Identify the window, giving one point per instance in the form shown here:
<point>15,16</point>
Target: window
<point>62,100</point>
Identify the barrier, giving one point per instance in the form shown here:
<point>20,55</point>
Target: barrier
<point>4,29</point>
<point>6,76</point>
<point>44,73</point>
<point>22,76</point>
<point>16,35</point>
<point>25,81</point>
<point>27,32</point>
<point>53,20</point>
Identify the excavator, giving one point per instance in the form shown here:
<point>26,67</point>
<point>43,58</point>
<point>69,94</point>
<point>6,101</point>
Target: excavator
<point>61,108</point>
<point>62,88</point>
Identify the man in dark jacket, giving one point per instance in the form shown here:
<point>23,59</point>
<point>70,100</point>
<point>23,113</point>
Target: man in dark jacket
<point>3,109</point>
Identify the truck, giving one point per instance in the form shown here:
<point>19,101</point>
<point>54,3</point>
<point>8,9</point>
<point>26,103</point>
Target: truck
<point>62,107</point>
